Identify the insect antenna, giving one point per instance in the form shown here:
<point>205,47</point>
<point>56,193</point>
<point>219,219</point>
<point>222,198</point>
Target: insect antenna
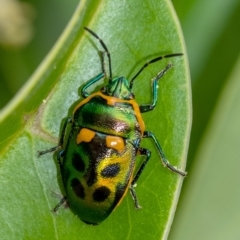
<point>153,61</point>
<point>105,48</point>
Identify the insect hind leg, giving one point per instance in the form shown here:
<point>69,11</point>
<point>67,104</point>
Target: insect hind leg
<point>147,153</point>
<point>63,203</point>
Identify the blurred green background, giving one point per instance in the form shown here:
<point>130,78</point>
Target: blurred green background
<point>209,203</point>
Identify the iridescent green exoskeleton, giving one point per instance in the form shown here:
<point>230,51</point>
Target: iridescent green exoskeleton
<point>97,158</point>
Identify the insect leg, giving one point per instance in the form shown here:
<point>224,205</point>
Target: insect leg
<point>63,202</point>
<point>165,162</point>
<point>151,106</point>
<point>59,156</point>
<point>53,149</point>
<point>84,93</point>
<point>147,153</point>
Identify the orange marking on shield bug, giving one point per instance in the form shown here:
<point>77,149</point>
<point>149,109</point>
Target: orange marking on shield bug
<point>116,143</point>
<point>85,135</point>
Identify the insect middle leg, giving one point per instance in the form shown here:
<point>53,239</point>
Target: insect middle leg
<point>61,140</point>
<point>147,153</point>
<point>165,162</point>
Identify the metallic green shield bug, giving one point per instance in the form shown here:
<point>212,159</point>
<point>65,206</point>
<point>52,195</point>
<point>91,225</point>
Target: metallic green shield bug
<point>97,157</point>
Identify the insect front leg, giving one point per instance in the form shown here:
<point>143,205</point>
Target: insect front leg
<point>149,107</point>
<point>84,93</point>
<point>147,153</point>
<point>61,141</point>
<point>165,162</point>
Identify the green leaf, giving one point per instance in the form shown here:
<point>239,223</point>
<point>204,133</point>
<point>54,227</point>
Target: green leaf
<point>134,33</point>
<point>211,205</point>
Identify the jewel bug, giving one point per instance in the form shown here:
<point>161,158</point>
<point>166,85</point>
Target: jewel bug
<point>97,157</point>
